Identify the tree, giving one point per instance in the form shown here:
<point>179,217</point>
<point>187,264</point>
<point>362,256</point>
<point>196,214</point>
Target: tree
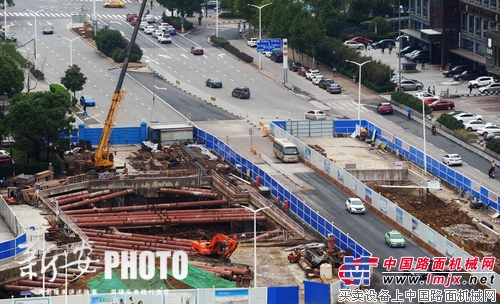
<point>10,3</point>
<point>73,79</point>
<point>11,77</point>
<point>37,120</point>
<point>381,24</point>
<point>109,40</point>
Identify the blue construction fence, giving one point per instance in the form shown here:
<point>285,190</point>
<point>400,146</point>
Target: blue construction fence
<point>299,208</point>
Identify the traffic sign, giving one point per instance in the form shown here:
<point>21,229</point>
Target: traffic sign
<point>269,45</point>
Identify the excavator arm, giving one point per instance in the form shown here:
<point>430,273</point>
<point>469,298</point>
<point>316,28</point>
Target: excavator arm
<point>103,157</point>
<point>220,245</point>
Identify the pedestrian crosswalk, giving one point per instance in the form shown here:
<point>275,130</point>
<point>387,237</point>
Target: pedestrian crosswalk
<point>60,15</point>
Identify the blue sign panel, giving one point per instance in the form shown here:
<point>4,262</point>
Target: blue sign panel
<point>269,45</point>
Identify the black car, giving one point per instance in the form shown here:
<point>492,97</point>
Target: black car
<point>408,49</point>
<point>421,56</point>
<point>277,56</point>
<point>213,83</point>
<point>491,136</point>
<point>294,66</point>
<point>48,29</point>
<point>468,75</point>
<point>241,92</point>
<point>323,83</point>
<point>384,43</point>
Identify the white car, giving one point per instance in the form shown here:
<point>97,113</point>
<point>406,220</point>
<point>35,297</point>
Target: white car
<point>268,54</point>
<point>491,88</point>
<point>316,79</point>
<point>466,117</point>
<point>164,38</point>
<point>311,73</point>
<point>252,42</point>
<point>423,95</point>
<point>474,125</point>
<point>156,33</point>
<point>149,29</point>
<point>452,159</point>
<point>163,26</point>
<point>481,81</point>
<point>149,18</point>
<point>354,45</point>
<point>355,205</point>
<point>315,115</point>
<point>143,25</point>
<point>489,128</point>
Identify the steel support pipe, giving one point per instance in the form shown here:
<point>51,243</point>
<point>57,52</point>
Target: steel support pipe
<point>38,284</point>
<point>170,212</point>
<point>55,280</point>
<point>82,197</point>
<point>189,192</point>
<point>97,199</point>
<point>134,223</point>
<point>60,197</point>
<point>196,189</point>
<point>140,247</point>
<point>150,207</point>
<point>132,216</point>
<point>132,236</point>
<point>139,243</point>
<point>235,270</point>
<point>8,287</point>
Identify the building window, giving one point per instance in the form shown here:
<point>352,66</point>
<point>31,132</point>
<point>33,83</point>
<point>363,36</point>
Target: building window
<point>418,8</point>
<point>485,28</point>
<point>486,2</point>
<point>478,26</point>
<point>493,3</point>
<point>424,8</point>
<point>471,24</point>
<point>464,22</point>
<point>480,49</point>
<point>468,45</point>
<point>412,6</point>
<point>478,1</point>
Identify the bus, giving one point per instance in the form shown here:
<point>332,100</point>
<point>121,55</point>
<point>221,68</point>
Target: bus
<point>285,150</point>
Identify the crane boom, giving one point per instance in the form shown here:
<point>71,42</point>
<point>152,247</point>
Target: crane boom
<point>103,157</point>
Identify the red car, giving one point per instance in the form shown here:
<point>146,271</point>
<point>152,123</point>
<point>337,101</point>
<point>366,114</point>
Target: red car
<point>134,21</point>
<point>385,108</point>
<point>131,16</point>
<point>430,100</point>
<point>442,104</point>
<point>302,71</point>
<point>362,40</point>
<point>197,50</point>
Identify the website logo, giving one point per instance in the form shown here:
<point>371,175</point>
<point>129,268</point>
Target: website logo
<point>356,271</point>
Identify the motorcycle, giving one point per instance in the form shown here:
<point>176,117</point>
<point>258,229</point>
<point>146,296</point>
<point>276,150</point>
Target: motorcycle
<point>491,173</point>
<point>433,130</point>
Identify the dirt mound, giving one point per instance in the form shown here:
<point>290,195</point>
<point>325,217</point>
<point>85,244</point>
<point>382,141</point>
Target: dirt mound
<point>442,216</point>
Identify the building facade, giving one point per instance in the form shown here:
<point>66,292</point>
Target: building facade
<point>457,32</point>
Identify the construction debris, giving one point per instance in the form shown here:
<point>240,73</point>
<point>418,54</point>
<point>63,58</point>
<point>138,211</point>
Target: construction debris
<point>465,232</point>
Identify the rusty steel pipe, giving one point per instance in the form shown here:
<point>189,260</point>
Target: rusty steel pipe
<point>188,192</point>
<point>140,247</point>
<point>97,199</point>
<point>196,189</point>
<point>38,284</point>
<point>56,280</point>
<point>268,234</point>
<point>134,236</point>
<point>72,199</point>
<point>135,223</point>
<point>145,243</point>
<point>60,197</point>
<point>9,287</point>
<point>151,212</point>
<point>150,207</point>
<point>235,270</point>
<point>132,216</point>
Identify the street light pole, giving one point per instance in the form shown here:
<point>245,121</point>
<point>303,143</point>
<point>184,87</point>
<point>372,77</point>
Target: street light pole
<point>254,240</point>
<point>260,26</point>
<point>70,48</point>
<point>400,47</point>
<point>425,141</point>
<point>359,88</point>
<point>36,30</point>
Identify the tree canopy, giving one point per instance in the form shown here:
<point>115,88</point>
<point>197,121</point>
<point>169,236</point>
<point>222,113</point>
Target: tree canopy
<point>36,121</point>
<point>73,79</point>
<point>11,77</point>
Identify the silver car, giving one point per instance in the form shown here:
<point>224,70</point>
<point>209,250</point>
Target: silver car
<point>491,88</point>
<point>315,115</point>
<point>452,159</point>
<point>410,84</point>
<point>354,45</point>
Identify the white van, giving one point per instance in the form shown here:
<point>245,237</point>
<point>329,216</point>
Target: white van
<point>285,150</point>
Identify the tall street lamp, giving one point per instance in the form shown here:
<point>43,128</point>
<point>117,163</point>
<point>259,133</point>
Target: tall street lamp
<point>400,46</point>
<point>254,239</point>
<point>70,48</point>
<point>36,30</point>
<point>4,28</point>
<point>260,25</point>
<point>359,88</point>
<point>425,141</point>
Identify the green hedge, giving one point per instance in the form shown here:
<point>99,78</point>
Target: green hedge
<point>494,145</point>
<point>219,41</point>
<point>176,23</point>
<point>55,87</point>
<point>450,122</point>
<point>410,101</point>
<point>223,43</point>
<point>230,14</point>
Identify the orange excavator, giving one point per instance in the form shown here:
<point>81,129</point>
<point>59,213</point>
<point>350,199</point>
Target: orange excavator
<point>221,246</point>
